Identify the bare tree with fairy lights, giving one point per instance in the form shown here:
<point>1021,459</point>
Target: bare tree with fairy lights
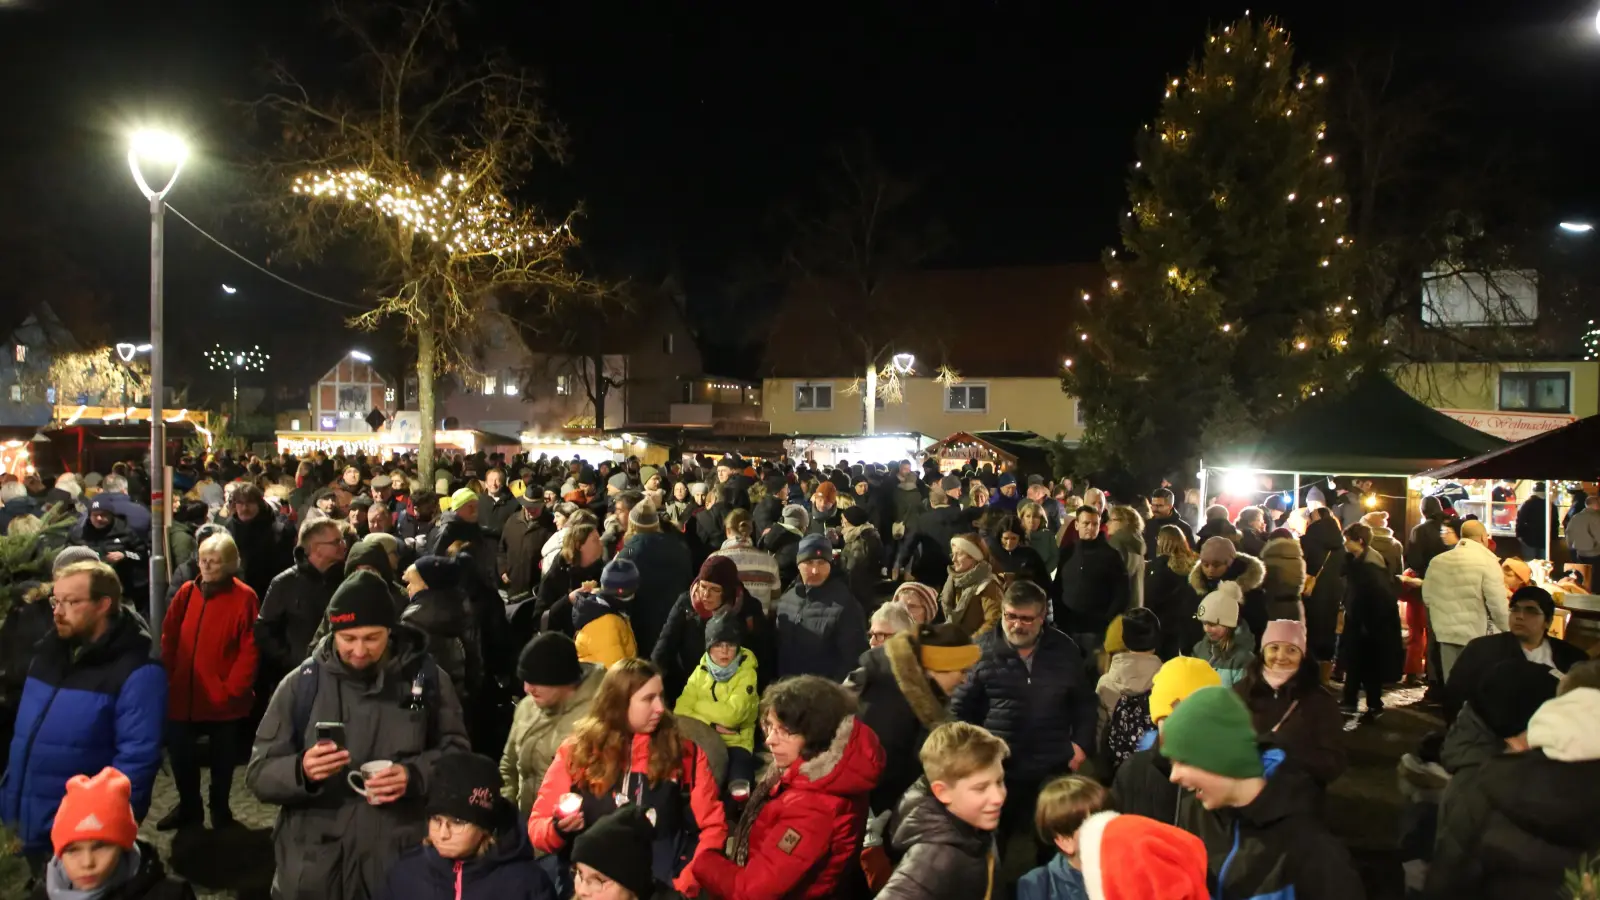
<point>407,179</point>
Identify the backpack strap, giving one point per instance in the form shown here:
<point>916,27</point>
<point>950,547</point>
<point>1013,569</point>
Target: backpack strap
<point>302,696</point>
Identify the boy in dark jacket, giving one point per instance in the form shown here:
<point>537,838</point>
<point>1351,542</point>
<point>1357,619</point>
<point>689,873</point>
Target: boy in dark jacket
<point>947,820</point>
<point>1256,814</point>
<point>97,853</point>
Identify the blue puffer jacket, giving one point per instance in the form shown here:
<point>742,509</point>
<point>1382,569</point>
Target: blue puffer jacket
<point>822,630</point>
<point>507,872</point>
<point>1039,711</point>
<point>103,705</point>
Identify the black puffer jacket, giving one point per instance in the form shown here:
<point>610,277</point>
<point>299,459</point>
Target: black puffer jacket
<point>1528,820</point>
<point>901,705</point>
<point>818,630</point>
<point>1092,587</point>
<point>940,855</point>
<point>664,574</point>
<point>1040,711</point>
<point>926,547</point>
<point>445,617</point>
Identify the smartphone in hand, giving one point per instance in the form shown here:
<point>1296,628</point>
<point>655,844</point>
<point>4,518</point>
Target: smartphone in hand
<point>331,731</point>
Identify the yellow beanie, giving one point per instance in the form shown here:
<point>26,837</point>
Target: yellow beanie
<point>1178,678</point>
<point>1114,643</point>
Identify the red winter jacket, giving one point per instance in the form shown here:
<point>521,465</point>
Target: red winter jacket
<point>806,841</point>
<point>208,648</point>
<point>705,801</point>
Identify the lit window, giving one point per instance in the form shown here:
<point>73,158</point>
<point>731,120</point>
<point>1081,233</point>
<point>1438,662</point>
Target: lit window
<point>21,352</point>
<point>1547,392</point>
<point>16,393</point>
<point>564,385</point>
<point>812,397</point>
<point>511,388</point>
<point>490,384</point>
<point>388,395</point>
<point>966,398</point>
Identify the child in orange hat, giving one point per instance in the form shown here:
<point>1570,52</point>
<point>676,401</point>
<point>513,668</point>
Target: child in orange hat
<point>97,851</point>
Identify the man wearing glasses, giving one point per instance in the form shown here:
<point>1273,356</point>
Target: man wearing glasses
<point>1029,688</point>
<point>94,698</point>
<point>297,599</point>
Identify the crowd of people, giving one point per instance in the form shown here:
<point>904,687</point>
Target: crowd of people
<point>536,678</point>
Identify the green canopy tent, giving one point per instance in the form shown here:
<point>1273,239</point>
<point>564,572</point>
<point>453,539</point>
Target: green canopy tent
<point>1375,428</point>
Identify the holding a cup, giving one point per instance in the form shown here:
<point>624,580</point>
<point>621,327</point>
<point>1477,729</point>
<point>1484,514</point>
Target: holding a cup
<point>380,781</point>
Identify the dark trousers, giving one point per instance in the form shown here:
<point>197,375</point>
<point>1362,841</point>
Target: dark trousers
<point>1356,681</point>
<point>1018,837</point>
<point>183,740</point>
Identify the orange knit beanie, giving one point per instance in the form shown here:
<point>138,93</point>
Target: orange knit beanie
<point>96,809</point>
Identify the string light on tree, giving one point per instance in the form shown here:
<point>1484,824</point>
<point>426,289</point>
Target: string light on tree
<point>1591,342</point>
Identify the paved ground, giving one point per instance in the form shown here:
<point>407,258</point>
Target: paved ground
<point>1363,809</point>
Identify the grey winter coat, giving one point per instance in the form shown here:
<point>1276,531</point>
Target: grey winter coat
<point>1286,578</point>
<point>328,841</point>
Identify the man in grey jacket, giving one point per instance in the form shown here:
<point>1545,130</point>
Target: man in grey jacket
<point>344,820</point>
<point>1583,534</point>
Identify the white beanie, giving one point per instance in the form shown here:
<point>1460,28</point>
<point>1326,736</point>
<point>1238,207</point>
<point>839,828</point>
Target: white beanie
<point>1567,728</point>
<point>1221,606</point>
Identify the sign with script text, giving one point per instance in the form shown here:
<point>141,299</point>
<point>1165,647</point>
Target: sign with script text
<point>1512,426</point>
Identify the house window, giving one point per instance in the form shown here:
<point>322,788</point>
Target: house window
<point>1077,414</point>
<point>490,384</point>
<point>16,393</point>
<point>812,397</point>
<point>1546,392</point>
<point>966,398</point>
<point>388,396</point>
<point>510,388</point>
<point>564,385</point>
<point>21,352</point>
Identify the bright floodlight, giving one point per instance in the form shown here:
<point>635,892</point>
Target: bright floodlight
<point>229,289</point>
<point>143,348</point>
<point>1577,227</point>
<point>160,148</point>
<point>1239,483</point>
<point>903,362</point>
<point>357,354</point>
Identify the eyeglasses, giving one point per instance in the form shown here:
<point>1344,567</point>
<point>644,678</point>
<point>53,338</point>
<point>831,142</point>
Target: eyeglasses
<point>1014,619</point>
<point>57,602</point>
<point>592,880</point>
<point>880,635</point>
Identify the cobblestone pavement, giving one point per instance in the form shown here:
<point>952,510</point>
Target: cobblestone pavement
<point>236,863</point>
<point>1363,810</point>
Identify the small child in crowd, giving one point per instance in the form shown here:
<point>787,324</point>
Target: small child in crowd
<point>947,820</point>
<point>599,620</point>
<point>1125,687</point>
<point>1228,640</point>
<point>721,692</point>
<point>1062,807</point>
<point>97,851</point>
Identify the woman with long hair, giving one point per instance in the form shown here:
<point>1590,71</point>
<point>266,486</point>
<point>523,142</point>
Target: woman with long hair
<point>1013,554</point>
<point>628,750</point>
<point>1168,594</point>
<point>1036,530</point>
<point>580,562</point>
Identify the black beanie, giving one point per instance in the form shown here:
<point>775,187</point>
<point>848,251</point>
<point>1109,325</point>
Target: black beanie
<point>724,628</point>
<point>1141,630</point>
<point>361,601</point>
<point>618,846</point>
<point>466,786</point>
<point>856,516</point>
<point>438,572</point>
<point>549,660</point>
<point>1510,693</point>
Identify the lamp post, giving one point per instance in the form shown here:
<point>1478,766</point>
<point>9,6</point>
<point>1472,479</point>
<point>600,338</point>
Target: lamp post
<point>165,149</point>
<point>236,361</point>
<point>902,363</point>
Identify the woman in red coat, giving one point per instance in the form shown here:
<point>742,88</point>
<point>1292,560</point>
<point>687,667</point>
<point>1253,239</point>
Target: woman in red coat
<point>628,750</point>
<point>800,837</point>
<point>208,648</point>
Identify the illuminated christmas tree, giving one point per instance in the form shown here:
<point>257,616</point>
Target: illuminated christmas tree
<point>1591,342</point>
<point>1228,301</point>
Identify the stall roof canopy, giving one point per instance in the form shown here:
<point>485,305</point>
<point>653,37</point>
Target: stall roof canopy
<point>1375,428</point>
<point>1565,454</point>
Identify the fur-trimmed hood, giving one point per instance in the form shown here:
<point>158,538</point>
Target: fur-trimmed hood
<point>848,768</point>
<point>1245,569</point>
<point>921,694</point>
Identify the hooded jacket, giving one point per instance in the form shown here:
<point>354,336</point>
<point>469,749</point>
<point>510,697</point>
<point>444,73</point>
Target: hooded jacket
<point>1232,663</point>
<point>820,630</point>
<point>940,855</point>
<point>508,871</point>
<point>291,612</point>
<point>682,644</point>
<point>84,707</point>
<point>1129,673</point>
<point>1285,579</point>
<point>208,648</point>
<point>805,842</point>
<point>1530,816</point>
<point>1040,709</point>
<point>1143,783</point>
<point>1275,846</point>
<point>1426,540</point>
<point>901,705</point>
<point>600,629</point>
<point>536,735</point>
<point>732,704</point>
<point>1249,573</point>
<point>1466,594</point>
<point>355,842</point>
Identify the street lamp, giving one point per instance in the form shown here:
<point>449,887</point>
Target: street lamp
<point>359,356</point>
<point>236,361</point>
<point>160,148</point>
<point>1577,227</point>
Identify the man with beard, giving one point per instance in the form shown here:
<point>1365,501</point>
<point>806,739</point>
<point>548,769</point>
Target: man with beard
<point>1031,690</point>
<point>263,541</point>
<point>94,698</point>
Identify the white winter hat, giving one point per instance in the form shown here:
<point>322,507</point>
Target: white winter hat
<point>1567,728</point>
<point>1221,606</point>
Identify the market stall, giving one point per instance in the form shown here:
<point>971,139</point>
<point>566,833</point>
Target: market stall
<point>828,449</point>
<point>1028,453</point>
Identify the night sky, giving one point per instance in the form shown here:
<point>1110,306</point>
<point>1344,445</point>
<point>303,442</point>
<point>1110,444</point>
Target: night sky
<point>694,123</point>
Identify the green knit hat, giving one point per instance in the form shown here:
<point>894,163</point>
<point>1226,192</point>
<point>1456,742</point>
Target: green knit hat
<point>1211,730</point>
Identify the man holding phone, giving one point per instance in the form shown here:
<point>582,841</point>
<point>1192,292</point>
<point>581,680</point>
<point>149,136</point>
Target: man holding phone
<point>348,745</point>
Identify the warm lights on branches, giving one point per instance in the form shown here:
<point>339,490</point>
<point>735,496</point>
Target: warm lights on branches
<point>451,213</point>
<point>253,360</point>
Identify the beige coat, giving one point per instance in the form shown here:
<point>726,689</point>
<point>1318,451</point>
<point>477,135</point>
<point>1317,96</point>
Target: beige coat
<point>536,734</point>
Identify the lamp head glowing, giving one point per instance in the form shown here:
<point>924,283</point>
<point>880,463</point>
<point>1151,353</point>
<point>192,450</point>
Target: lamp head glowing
<point>229,289</point>
<point>903,362</point>
<point>125,352</point>
<point>142,348</point>
<point>159,147</point>
<point>1577,227</point>
<point>358,355</point>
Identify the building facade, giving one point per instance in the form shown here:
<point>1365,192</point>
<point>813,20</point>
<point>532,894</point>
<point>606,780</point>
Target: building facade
<point>1510,400</point>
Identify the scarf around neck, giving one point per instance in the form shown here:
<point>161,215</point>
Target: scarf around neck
<point>59,887</point>
<point>722,674</point>
<point>961,587</point>
<point>1277,678</point>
